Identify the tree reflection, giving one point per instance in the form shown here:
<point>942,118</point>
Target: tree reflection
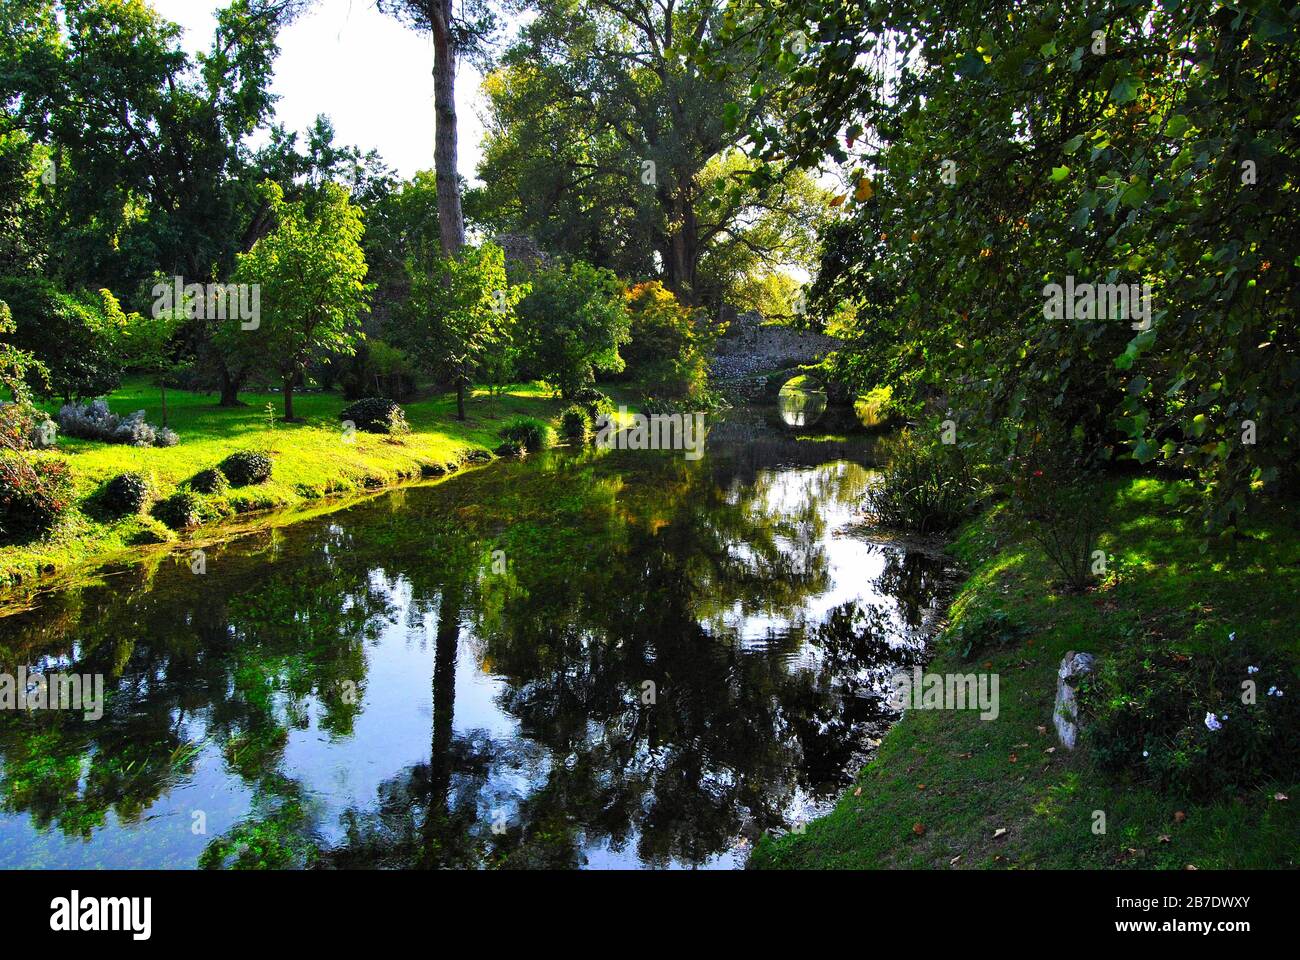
<point>646,723</point>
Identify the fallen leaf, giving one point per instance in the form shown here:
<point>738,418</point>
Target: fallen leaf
<point>1043,731</point>
<point>1014,758</point>
<point>1000,831</point>
<point>920,786</point>
<point>1019,746</point>
<point>1190,866</point>
<point>1280,796</point>
<point>1165,838</point>
<point>1179,816</point>
<point>1050,750</point>
<point>857,792</point>
<point>918,829</point>
<point>954,860</point>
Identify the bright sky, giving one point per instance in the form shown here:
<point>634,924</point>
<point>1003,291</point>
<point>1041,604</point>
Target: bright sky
<point>370,74</point>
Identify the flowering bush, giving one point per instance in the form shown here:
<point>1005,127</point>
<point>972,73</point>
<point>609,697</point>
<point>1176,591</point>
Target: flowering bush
<point>94,421</point>
<point>33,495</point>
<point>1198,724</point>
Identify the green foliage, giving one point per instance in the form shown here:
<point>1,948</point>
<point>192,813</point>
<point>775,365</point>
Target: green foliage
<point>512,449</point>
<point>669,346</point>
<point>532,433</point>
<point>181,511</point>
<point>640,173</point>
<point>1178,720</point>
<point>575,423</point>
<point>1009,153</point>
<point>924,486</point>
<point>33,495</point>
<point>376,415</point>
<point>596,403</point>
<point>125,494</point>
<point>573,322</point>
<point>311,272</point>
<point>979,633</point>
<point>70,336</point>
<point>209,481</point>
<point>247,468</point>
<point>461,311</point>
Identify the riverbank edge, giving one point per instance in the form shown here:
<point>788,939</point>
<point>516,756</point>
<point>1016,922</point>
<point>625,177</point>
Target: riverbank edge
<point>82,549</point>
<point>945,790</point>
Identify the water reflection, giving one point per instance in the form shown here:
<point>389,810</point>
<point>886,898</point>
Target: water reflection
<point>801,402</point>
<point>675,657</point>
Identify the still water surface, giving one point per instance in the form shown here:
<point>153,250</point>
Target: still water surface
<point>601,659</point>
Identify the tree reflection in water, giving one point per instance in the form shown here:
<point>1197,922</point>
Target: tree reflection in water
<point>280,694</point>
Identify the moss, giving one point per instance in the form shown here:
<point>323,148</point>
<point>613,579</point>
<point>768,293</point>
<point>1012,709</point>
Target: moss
<point>1010,774</point>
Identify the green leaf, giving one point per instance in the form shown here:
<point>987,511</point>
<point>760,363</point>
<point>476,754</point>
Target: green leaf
<point>1124,91</point>
<point>1073,144</point>
<point>1177,125</point>
<point>1060,173</point>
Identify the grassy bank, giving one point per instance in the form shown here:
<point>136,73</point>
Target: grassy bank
<point>949,791</point>
<point>311,461</point>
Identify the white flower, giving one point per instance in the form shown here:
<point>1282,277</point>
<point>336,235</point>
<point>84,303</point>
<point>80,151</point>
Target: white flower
<point>1232,636</point>
<point>1252,669</point>
<point>1212,722</point>
<point>1270,690</point>
<point>1146,753</point>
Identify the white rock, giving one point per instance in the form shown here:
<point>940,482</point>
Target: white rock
<point>1065,714</point>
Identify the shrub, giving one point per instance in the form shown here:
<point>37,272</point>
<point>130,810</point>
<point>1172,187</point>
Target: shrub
<point>981,632</point>
<point>33,495</point>
<point>1178,720</point>
<point>925,486</point>
<point>594,402</point>
<point>575,424</point>
<point>376,415</point>
<point>125,494</point>
<point>532,433</point>
<point>181,511</point>
<point>512,448</point>
<point>209,481</point>
<point>247,468</point>
<point>1059,502</point>
<point>94,421</point>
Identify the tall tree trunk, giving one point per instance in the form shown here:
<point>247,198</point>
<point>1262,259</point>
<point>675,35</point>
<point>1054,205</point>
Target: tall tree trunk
<point>162,385</point>
<point>451,220</point>
<point>438,813</point>
<point>460,398</point>
<point>230,386</point>
<point>288,397</point>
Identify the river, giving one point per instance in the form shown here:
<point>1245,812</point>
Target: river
<point>588,659</point>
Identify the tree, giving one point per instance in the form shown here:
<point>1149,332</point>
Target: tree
<point>461,312</point>
<point>71,335</point>
<point>641,171</point>
<point>453,35</point>
<point>311,272</point>
<point>1143,143</point>
<point>573,320</point>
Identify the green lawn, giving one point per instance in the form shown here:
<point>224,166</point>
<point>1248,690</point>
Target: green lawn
<point>311,460</point>
<point>943,783</point>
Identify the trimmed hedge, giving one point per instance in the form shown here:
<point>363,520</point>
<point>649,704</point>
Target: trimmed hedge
<point>247,468</point>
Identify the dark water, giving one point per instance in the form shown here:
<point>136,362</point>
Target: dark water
<point>461,675</point>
